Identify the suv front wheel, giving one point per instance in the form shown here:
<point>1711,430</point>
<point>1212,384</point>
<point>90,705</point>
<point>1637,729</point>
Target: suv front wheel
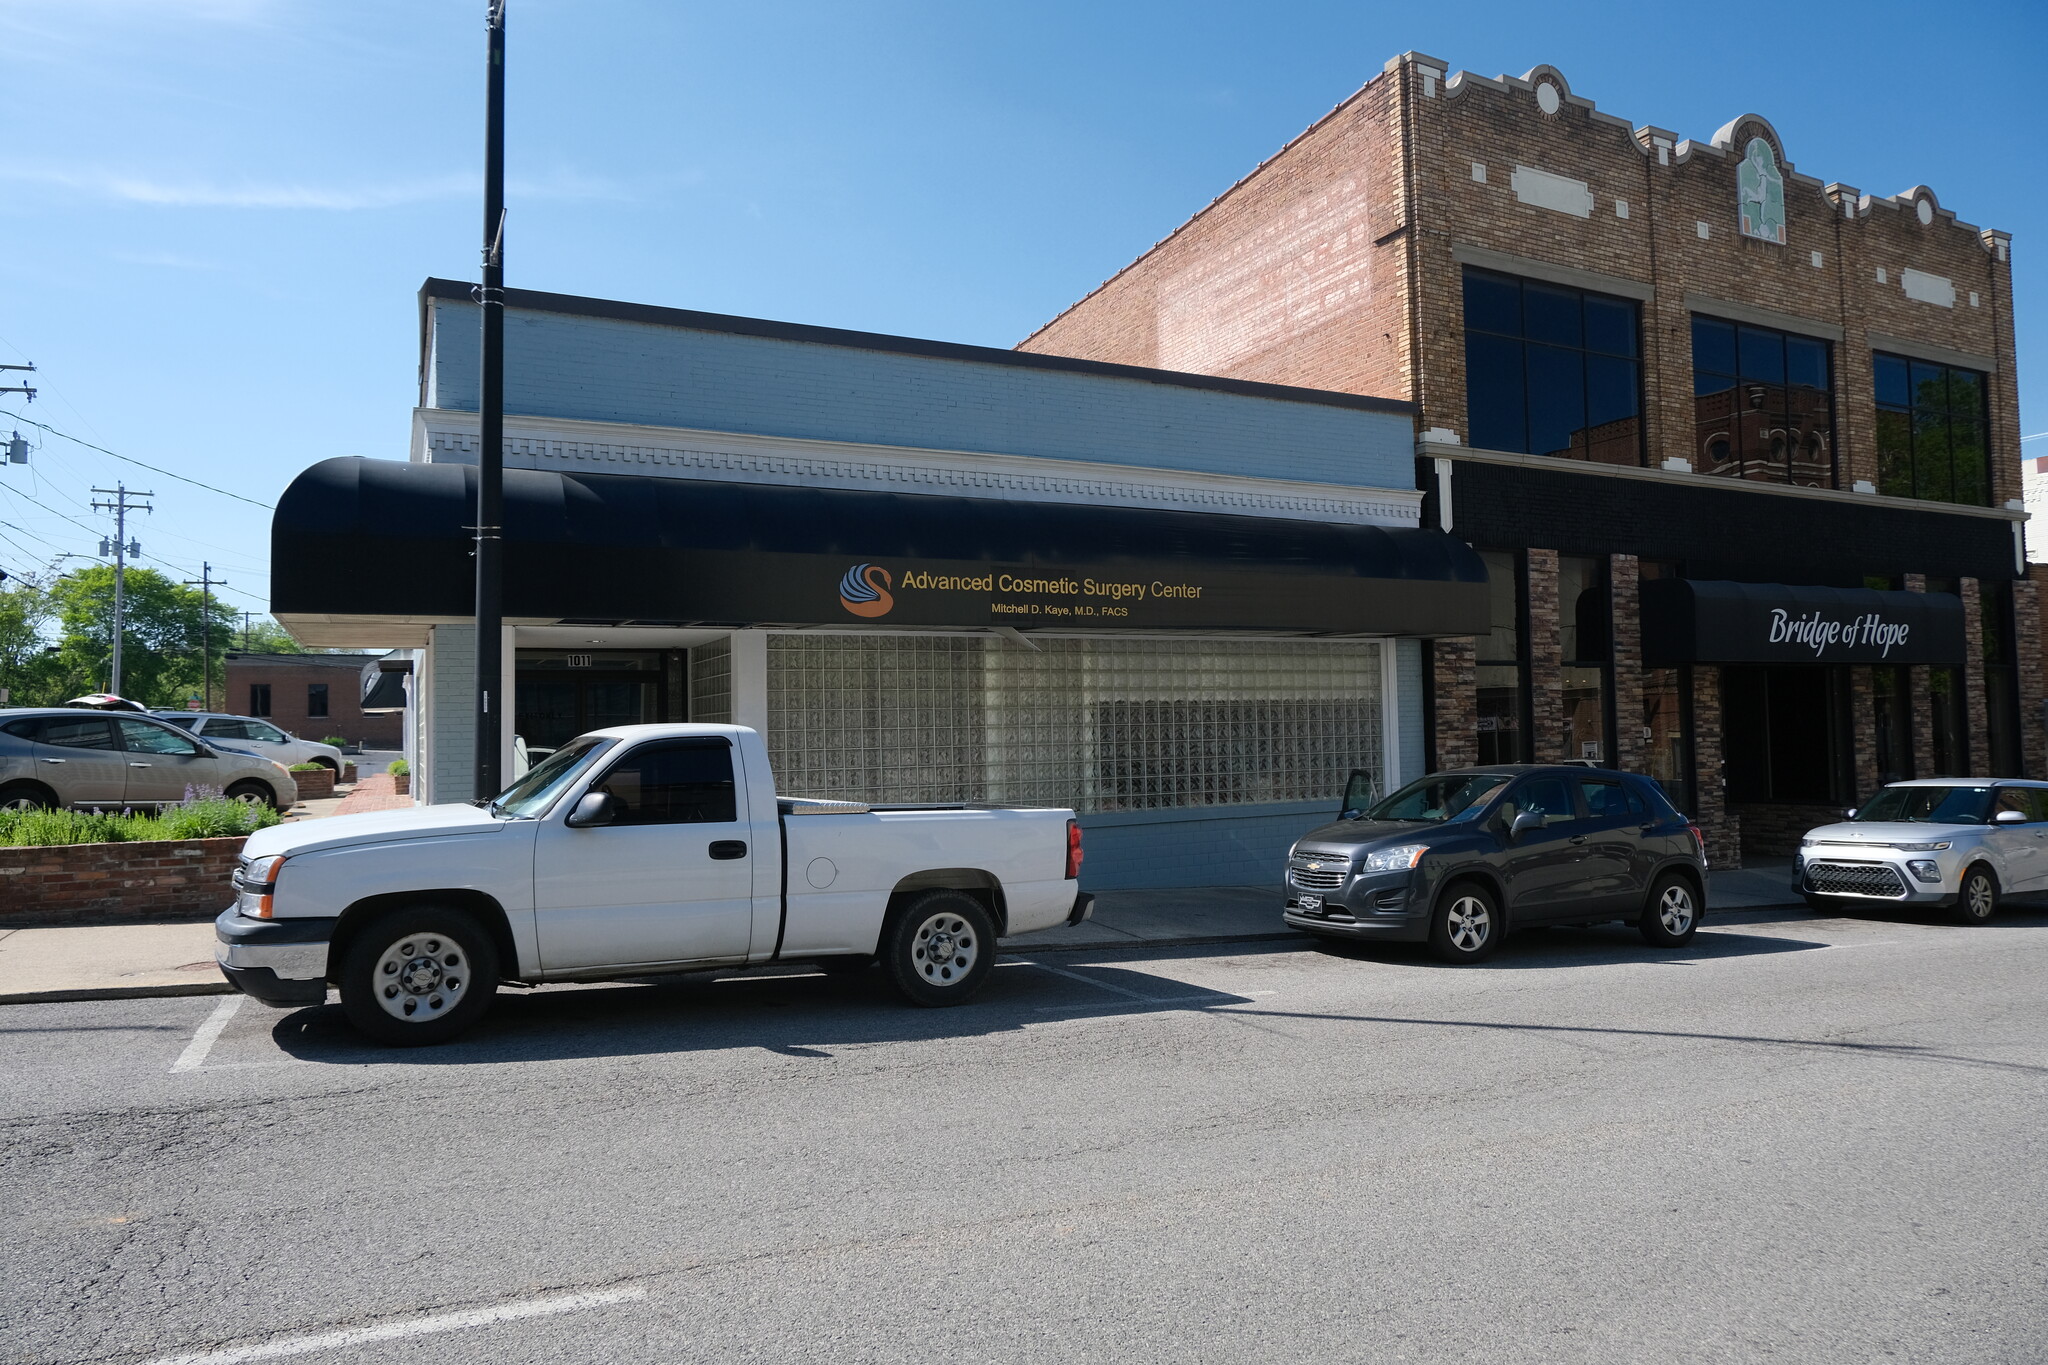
<point>1466,926</point>
<point>1977,902</point>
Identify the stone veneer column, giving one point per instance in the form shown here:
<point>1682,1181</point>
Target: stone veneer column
<point>1923,701</point>
<point>1456,680</point>
<point>1863,731</point>
<point>2026,645</point>
<point>1723,830</point>
<point>1546,702</point>
<point>1977,713</point>
<point>1625,605</point>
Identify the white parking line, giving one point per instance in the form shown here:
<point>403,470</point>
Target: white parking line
<point>415,1327</point>
<point>1091,981</point>
<point>194,1055</point>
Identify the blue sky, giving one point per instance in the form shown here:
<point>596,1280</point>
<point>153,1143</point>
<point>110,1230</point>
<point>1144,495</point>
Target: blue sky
<point>214,214</point>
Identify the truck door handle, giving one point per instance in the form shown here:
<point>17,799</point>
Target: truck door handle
<point>727,849</point>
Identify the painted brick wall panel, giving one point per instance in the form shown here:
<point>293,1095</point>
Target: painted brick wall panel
<point>609,370</point>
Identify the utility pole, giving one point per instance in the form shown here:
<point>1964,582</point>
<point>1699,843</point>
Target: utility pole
<point>245,629</point>
<point>123,547</point>
<point>490,474</point>
<point>21,389</point>
<point>206,584</point>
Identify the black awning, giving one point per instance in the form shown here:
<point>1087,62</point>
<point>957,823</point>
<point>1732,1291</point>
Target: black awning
<point>363,537</point>
<point>1692,621</point>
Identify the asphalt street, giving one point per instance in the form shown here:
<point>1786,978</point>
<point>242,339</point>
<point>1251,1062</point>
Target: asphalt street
<point>1803,1139</point>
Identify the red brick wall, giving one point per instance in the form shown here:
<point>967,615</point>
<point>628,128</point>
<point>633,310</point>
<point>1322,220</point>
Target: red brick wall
<point>173,879</point>
<point>288,683</point>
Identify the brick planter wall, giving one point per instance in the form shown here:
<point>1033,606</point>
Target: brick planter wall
<point>169,879</point>
<point>314,786</point>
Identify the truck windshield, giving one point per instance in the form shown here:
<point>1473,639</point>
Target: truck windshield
<point>1438,799</point>
<point>532,794</point>
<point>1929,805</point>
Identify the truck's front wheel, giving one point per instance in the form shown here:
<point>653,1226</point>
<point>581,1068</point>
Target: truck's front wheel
<point>940,948</point>
<point>418,975</point>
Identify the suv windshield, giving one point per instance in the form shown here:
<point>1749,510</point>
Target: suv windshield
<point>532,794</point>
<point>1929,805</point>
<point>1441,798</point>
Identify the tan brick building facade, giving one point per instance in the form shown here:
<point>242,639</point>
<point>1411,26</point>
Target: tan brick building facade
<point>1350,261</point>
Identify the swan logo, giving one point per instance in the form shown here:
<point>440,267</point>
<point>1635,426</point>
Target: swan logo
<point>864,591</point>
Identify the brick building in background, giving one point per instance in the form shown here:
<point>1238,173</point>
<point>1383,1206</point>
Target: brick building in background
<point>311,695</point>
<point>1695,407</point>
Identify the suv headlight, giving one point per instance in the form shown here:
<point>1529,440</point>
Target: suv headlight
<point>1400,858</point>
<point>1926,869</point>
<point>1935,847</point>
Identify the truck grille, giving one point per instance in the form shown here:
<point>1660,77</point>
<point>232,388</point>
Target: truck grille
<point>1855,879</point>
<point>1328,875</point>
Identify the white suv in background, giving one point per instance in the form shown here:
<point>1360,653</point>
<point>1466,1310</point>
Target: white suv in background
<point>253,736</point>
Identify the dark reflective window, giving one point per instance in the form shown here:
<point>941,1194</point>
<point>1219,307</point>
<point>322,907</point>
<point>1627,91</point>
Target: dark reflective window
<point>682,782</point>
<point>1930,431</point>
<point>1552,370</point>
<point>1763,405</point>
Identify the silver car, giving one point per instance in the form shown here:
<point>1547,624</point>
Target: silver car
<point>64,756</point>
<point>1960,844</point>
<point>250,735</point>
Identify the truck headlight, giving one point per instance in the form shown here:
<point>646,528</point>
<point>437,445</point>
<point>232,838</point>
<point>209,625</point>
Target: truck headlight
<point>1400,858</point>
<point>1926,869</point>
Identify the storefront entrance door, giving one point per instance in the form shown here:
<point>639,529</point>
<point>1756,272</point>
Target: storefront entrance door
<point>562,695</point>
<point>1783,730</point>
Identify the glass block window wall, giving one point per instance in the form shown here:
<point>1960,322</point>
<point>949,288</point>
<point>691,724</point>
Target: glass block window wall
<point>1099,725</point>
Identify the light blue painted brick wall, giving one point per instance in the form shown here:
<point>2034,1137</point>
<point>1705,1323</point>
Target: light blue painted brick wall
<point>601,369</point>
<point>1246,847</point>
<point>453,733</point>
<point>1408,704</point>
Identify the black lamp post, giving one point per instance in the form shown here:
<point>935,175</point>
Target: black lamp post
<point>490,477</point>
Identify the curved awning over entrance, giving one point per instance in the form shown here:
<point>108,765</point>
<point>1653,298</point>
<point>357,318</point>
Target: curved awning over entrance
<point>377,538</point>
<point>1694,621</point>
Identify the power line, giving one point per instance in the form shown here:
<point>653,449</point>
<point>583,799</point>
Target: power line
<point>157,469</point>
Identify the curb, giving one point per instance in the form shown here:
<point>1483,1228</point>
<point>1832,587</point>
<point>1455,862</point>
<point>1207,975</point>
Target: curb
<point>117,993</point>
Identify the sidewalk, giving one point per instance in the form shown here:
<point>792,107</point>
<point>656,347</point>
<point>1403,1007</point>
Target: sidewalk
<point>114,962</point>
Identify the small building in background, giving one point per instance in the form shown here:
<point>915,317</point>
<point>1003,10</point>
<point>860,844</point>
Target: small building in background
<point>311,695</point>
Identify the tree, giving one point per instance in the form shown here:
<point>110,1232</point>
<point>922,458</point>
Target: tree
<point>161,646</point>
<point>25,615</point>
<point>267,637</point>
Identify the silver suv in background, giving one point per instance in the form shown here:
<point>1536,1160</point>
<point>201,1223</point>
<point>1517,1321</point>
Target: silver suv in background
<point>1955,843</point>
<point>253,736</point>
<point>64,756</point>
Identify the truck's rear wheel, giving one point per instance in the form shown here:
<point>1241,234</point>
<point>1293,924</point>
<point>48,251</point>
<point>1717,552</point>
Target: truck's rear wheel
<point>939,949</point>
<point>418,975</point>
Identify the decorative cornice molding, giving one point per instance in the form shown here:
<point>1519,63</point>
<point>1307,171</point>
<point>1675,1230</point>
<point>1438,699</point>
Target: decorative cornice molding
<point>445,434</point>
<point>1555,465</point>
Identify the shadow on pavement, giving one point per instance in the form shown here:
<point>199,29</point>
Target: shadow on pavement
<point>1556,946</point>
<point>795,1015</point>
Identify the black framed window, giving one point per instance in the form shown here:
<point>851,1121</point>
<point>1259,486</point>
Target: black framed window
<point>1931,423</point>
<point>316,699</point>
<point>2001,680</point>
<point>1552,370</point>
<point>259,699</point>
<point>1502,700</point>
<point>1763,404</point>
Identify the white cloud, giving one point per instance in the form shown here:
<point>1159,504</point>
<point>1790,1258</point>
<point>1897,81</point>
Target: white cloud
<point>199,193</point>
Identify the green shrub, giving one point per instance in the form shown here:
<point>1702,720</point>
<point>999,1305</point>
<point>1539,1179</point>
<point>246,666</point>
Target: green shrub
<point>202,817</point>
<point>399,768</point>
<point>214,818</point>
<point>308,767</point>
<point>336,740</point>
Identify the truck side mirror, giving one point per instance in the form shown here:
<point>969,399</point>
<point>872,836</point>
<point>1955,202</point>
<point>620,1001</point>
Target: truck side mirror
<point>1525,822</point>
<point>593,808</point>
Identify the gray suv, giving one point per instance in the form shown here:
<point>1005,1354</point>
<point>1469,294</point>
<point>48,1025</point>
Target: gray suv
<point>64,756</point>
<point>1459,858</point>
<point>249,735</point>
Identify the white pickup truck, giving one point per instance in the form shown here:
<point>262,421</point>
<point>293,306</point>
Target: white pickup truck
<point>630,852</point>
